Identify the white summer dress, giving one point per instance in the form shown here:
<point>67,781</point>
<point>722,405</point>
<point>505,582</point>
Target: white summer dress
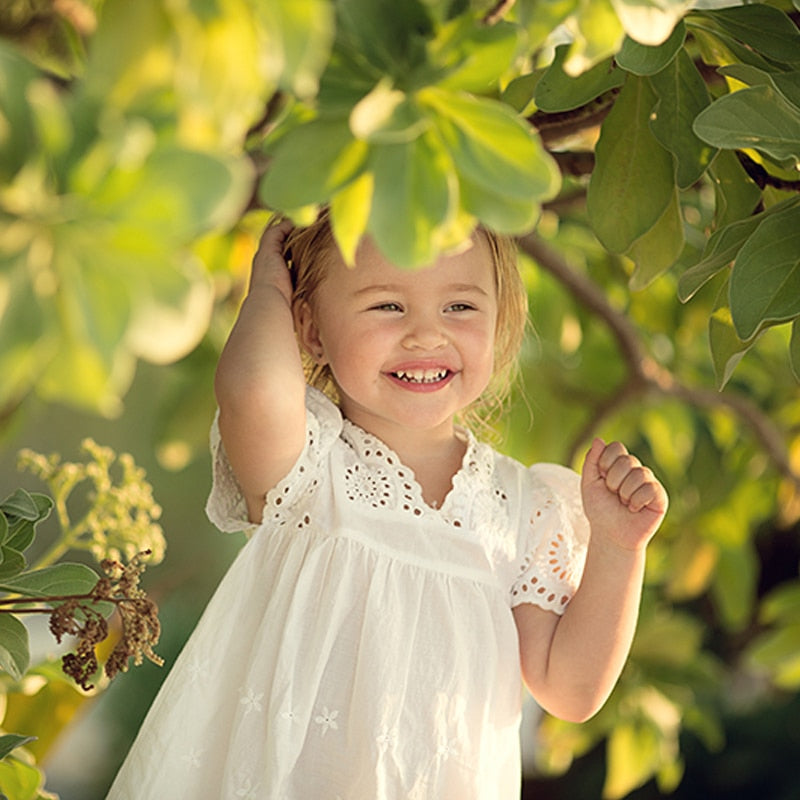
<point>362,646</point>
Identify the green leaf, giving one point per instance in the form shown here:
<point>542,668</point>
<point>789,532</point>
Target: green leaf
<point>597,33</point>
<point>723,247</point>
<point>794,349</point>
<point>540,19</point>
<point>682,95</point>
<point>762,28</point>
<point>32,507</point>
<point>171,313</point>
<point>14,651</point>
<point>16,120</point>
<point>389,36</point>
<point>414,193</point>
<point>650,21</point>
<point>21,535</point>
<point>632,757</point>
<point>350,214</point>
<point>659,248</point>
<point>175,193</point>
<point>642,59</point>
<point>20,781</point>
<point>56,581</point>
<point>503,170</point>
<point>779,652</point>
<point>556,91</point>
<point>299,35</point>
<point>757,117</point>
<point>787,84</point>
<point>765,281</point>
<point>519,93</point>
<point>26,335</point>
<point>727,349</point>
<point>10,741</point>
<point>735,192</point>
<point>12,562</point>
<point>387,115</point>
<point>633,179</point>
<point>3,528</point>
<point>734,586</point>
<point>473,55</point>
<point>311,163</point>
<point>781,604</point>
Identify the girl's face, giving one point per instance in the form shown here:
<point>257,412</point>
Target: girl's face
<point>408,350</point>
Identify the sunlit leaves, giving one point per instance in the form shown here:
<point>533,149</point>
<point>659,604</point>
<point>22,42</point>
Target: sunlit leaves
<point>682,95</point>
<point>16,123</point>
<point>93,246</point>
<point>299,36</point>
<point>502,168</point>
<point>765,282</point>
<point>794,349</point>
<point>757,117</point>
<point>471,55</point>
<point>629,156</point>
<point>643,59</point>
<point>727,348</point>
<point>20,779</point>
<point>557,91</point>
<point>777,650</point>
<point>761,27</point>
<point>311,163</point>
<point>650,22</point>
<point>59,579</point>
<point>390,37</point>
<point>413,197</point>
<point>10,741</point>
<point>736,194</point>
<point>635,752</point>
<point>596,33</point>
<point>658,249</point>
<point>14,649</point>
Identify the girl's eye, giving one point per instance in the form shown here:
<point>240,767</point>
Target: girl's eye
<point>387,307</point>
<point>460,307</point>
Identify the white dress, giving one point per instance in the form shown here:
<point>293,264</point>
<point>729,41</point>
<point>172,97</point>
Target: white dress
<point>362,646</point>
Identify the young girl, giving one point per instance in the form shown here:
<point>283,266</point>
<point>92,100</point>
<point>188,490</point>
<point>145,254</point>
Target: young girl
<point>401,579</point>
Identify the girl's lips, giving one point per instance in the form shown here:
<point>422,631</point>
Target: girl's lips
<point>421,378</point>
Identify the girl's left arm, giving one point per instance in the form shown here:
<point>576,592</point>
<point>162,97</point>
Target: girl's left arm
<point>572,662</point>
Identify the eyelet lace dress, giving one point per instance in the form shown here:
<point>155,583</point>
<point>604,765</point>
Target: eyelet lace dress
<point>362,646</point>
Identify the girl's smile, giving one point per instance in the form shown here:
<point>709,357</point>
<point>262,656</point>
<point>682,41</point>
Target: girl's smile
<point>422,377</point>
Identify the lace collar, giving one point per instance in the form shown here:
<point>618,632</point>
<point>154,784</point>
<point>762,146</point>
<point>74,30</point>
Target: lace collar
<point>476,469</point>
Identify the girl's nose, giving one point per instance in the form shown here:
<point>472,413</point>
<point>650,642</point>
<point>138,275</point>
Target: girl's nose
<point>424,334</point>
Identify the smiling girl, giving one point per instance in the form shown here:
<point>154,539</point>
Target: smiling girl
<point>401,579</point>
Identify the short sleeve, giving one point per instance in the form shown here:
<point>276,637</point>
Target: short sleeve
<point>226,506</point>
<point>554,538</point>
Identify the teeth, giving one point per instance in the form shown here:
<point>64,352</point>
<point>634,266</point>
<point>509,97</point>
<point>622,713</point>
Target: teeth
<point>421,375</point>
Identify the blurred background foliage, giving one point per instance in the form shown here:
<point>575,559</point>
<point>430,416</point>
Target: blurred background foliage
<point>645,154</point>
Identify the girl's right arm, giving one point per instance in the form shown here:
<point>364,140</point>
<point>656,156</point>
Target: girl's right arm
<point>259,384</point>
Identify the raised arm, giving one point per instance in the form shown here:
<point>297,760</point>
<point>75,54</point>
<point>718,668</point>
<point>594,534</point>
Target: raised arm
<point>259,380</point>
<point>571,663</point>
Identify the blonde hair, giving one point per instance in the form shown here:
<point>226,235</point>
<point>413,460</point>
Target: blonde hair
<point>308,250</point>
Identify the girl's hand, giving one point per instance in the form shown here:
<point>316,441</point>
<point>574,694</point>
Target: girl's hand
<point>269,266</point>
<point>623,500</point>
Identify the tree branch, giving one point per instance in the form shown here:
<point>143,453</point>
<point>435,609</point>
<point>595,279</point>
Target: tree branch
<point>556,126</point>
<point>497,12</point>
<point>762,178</point>
<point>645,375</point>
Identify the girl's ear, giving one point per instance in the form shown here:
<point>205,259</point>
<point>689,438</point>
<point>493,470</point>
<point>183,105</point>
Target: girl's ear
<point>308,332</point>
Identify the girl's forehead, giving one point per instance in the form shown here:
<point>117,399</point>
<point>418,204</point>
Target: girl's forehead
<point>473,263</point>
